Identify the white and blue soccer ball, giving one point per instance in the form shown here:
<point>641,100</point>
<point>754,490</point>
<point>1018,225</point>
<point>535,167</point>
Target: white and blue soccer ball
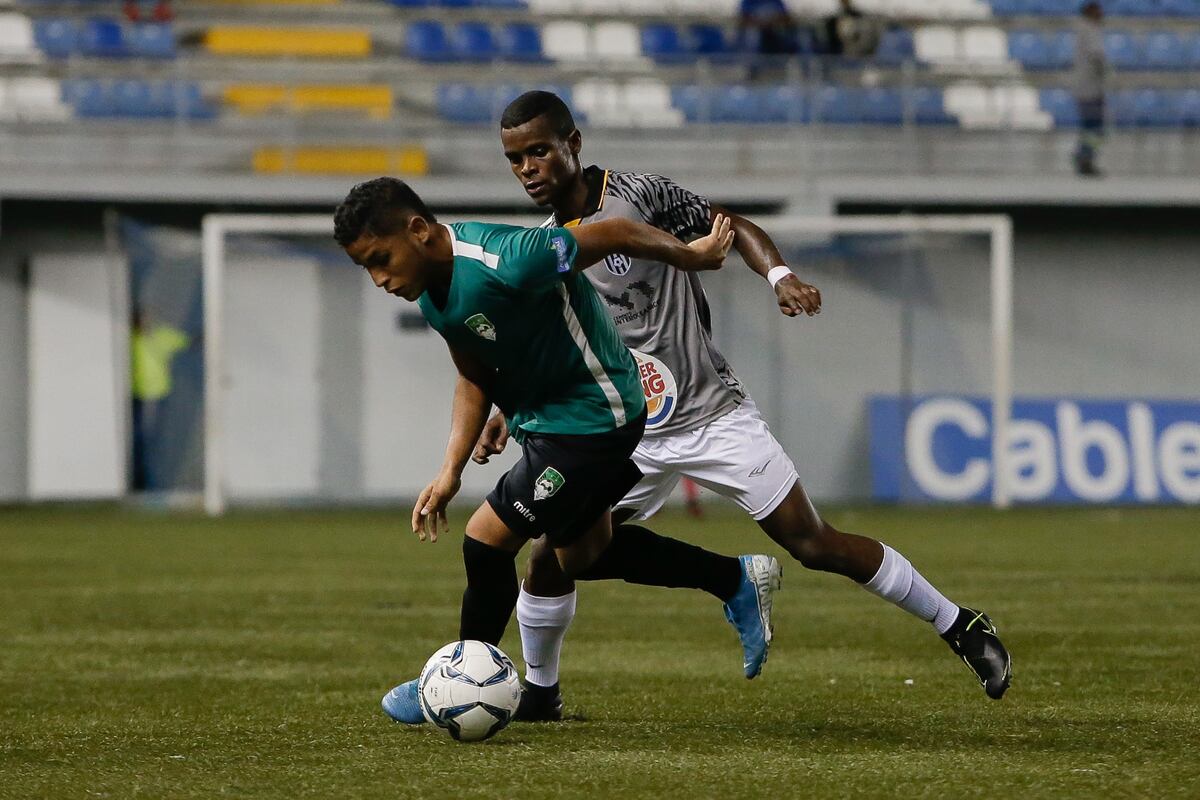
<point>471,689</point>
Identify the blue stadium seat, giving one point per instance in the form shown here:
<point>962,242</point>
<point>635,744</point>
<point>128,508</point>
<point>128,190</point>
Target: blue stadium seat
<point>1144,108</point>
<point>427,41</point>
<point>1062,49</point>
<point>132,98</point>
<point>455,3</point>
<point>57,38</point>
<point>1181,8</point>
<point>410,3</point>
<point>1008,8</point>
<point>521,41</point>
<point>706,41</point>
<point>694,101</point>
<point>1166,50</point>
<point>103,38</point>
<point>1045,8</point>
<point>1123,49</point>
<point>838,104</point>
<point>1132,8</point>
<point>928,106</point>
<point>465,102</point>
<point>1188,102</point>
<point>89,98</point>
<point>661,42</point>
<point>882,106</point>
<point>737,104</point>
<point>781,104</point>
<point>895,47</point>
<point>1031,49</point>
<point>473,41</point>
<point>1061,105</point>
<point>1193,52</point>
<point>151,40</point>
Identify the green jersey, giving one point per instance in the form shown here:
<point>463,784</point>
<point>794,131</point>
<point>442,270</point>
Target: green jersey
<point>515,305</point>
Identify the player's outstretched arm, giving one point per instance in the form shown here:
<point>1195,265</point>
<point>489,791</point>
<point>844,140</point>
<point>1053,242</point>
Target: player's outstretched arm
<point>795,297</point>
<point>626,237</point>
<point>469,413</point>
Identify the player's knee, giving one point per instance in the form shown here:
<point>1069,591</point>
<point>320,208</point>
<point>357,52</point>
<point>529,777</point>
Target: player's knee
<point>816,546</point>
<point>543,574</point>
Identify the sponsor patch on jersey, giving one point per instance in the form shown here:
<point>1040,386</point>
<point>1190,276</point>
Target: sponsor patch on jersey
<point>618,264</point>
<point>658,384</point>
<point>481,326</point>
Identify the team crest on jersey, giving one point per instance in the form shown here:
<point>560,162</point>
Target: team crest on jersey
<point>618,264</point>
<point>548,484</point>
<point>481,326</point>
<point>658,384</point>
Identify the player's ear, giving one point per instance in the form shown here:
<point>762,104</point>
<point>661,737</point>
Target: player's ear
<point>419,228</point>
<point>575,142</point>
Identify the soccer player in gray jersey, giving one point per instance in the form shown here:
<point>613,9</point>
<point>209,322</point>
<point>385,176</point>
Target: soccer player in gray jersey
<point>701,423</point>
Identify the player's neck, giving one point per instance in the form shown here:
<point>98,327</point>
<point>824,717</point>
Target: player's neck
<point>573,203</point>
<point>441,262</point>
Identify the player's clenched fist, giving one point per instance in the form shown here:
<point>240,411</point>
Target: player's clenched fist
<point>797,297</point>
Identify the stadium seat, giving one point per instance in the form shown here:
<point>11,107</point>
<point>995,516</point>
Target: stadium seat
<point>1061,105</point>
<point>882,106</point>
<point>1166,51</point>
<point>465,102</point>
<point>57,38</point>
<point>838,105</point>
<point>521,41</point>
<point>1132,8</point>
<point>33,99</point>
<point>616,40</point>
<point>89,98</point>
<point>936,44</point>
<point>1062,49</point>
<point>1144,108</point>
<point>983,44</point>
<point>736,104</point>
<point>1123,50</point>
<point>783,104</point>
<point>474,41</point>
<point>648,101</point>
<point>151,40</point>
<point>269,41</point>
<point>1018,106</point>
<point>1192,48</point>
<point>971,104</point>
<point>662,43</point>
<point>427,41</point>
<point>342,160</point>
<point>1188,103</point>
<point>895,47</point>
<point>17,37</point>
<point>103,38</point>
<point>566,40</point>
<point>1181,8</point>
<point>1031,49</point>
<point>927,106</point>
<point>695,102</point>
<point>706,41</point>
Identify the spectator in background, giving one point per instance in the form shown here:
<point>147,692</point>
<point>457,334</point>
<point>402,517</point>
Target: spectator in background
<point>160,12</point>
<point>851,33</point>
<point>766,28</point>
<point>152,348</point>
<point>1091,68</point>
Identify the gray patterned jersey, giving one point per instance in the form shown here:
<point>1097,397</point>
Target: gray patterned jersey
<point>661,313</point>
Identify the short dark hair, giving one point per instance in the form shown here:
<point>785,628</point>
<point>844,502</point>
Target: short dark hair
<point>376,206</point>
<point>532,105</point>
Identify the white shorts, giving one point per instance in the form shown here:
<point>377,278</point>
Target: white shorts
<point>735,455</point>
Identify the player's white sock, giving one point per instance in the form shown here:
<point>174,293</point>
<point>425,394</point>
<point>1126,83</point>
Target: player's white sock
<point>899,583</point>
<point>544,622</point>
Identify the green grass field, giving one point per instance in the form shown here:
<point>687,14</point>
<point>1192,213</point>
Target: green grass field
<point>153,655</point>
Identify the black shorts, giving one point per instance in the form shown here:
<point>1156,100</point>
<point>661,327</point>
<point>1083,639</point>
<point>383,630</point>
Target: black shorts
<point>565,482</point>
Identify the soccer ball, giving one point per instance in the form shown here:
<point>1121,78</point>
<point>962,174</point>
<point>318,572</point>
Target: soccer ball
<point>469,688</point>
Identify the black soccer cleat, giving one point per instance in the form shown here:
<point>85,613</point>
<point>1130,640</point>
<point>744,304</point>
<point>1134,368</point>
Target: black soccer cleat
<point>973,638</point>
<point>539,704</point>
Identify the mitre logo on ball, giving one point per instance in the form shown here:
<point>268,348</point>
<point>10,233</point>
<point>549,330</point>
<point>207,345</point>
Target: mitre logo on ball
<point>658,384</point>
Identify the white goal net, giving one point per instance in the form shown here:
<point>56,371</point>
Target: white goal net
<point>321,388</point>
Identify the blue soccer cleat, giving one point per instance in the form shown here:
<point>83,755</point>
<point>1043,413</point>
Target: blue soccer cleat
<point>749,611</point>
<point>403,705</point>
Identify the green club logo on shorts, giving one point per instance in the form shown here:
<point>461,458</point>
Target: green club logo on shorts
<point>548,483</point>
<point>482,326</point>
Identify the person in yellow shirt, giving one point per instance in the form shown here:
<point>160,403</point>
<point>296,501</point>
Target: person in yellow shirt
<point>152,349</point>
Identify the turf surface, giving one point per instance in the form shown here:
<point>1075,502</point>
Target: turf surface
<point>147,655</point>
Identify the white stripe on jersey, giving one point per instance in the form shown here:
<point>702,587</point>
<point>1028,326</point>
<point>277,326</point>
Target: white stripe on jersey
<point>589,357</point>
<point>473,251</point>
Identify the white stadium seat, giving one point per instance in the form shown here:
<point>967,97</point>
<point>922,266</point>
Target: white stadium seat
<point>16,38</point>
<point>37,99</point>
<point>542,7</point>
<point>1018,106</point>
<point>566,40</point>
<point>984,44</point>
<point>649,104</point>
<point>936,44</point>
<point>616,40</point>
<point>602,101</point>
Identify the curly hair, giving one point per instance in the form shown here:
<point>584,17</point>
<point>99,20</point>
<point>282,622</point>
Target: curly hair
<point>376,206</point>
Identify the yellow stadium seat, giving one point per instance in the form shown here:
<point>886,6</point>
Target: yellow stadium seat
<point>262,41</point>
<point>412,161</point>
<point>373,100</point>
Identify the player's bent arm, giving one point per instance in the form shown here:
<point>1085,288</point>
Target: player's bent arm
<point>794,296</point>
<point>469,413</point>
<point>600,240</point>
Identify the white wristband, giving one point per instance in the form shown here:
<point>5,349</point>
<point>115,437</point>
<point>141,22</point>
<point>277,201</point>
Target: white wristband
<point>776,274</point>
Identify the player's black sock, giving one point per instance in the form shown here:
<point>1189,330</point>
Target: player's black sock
<point>637,555</point>
<point>491,592</point>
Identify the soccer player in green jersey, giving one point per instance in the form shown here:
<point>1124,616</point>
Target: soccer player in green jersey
<point>528,333</point>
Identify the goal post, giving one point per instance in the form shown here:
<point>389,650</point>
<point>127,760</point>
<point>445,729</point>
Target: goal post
<point>225,305</point>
